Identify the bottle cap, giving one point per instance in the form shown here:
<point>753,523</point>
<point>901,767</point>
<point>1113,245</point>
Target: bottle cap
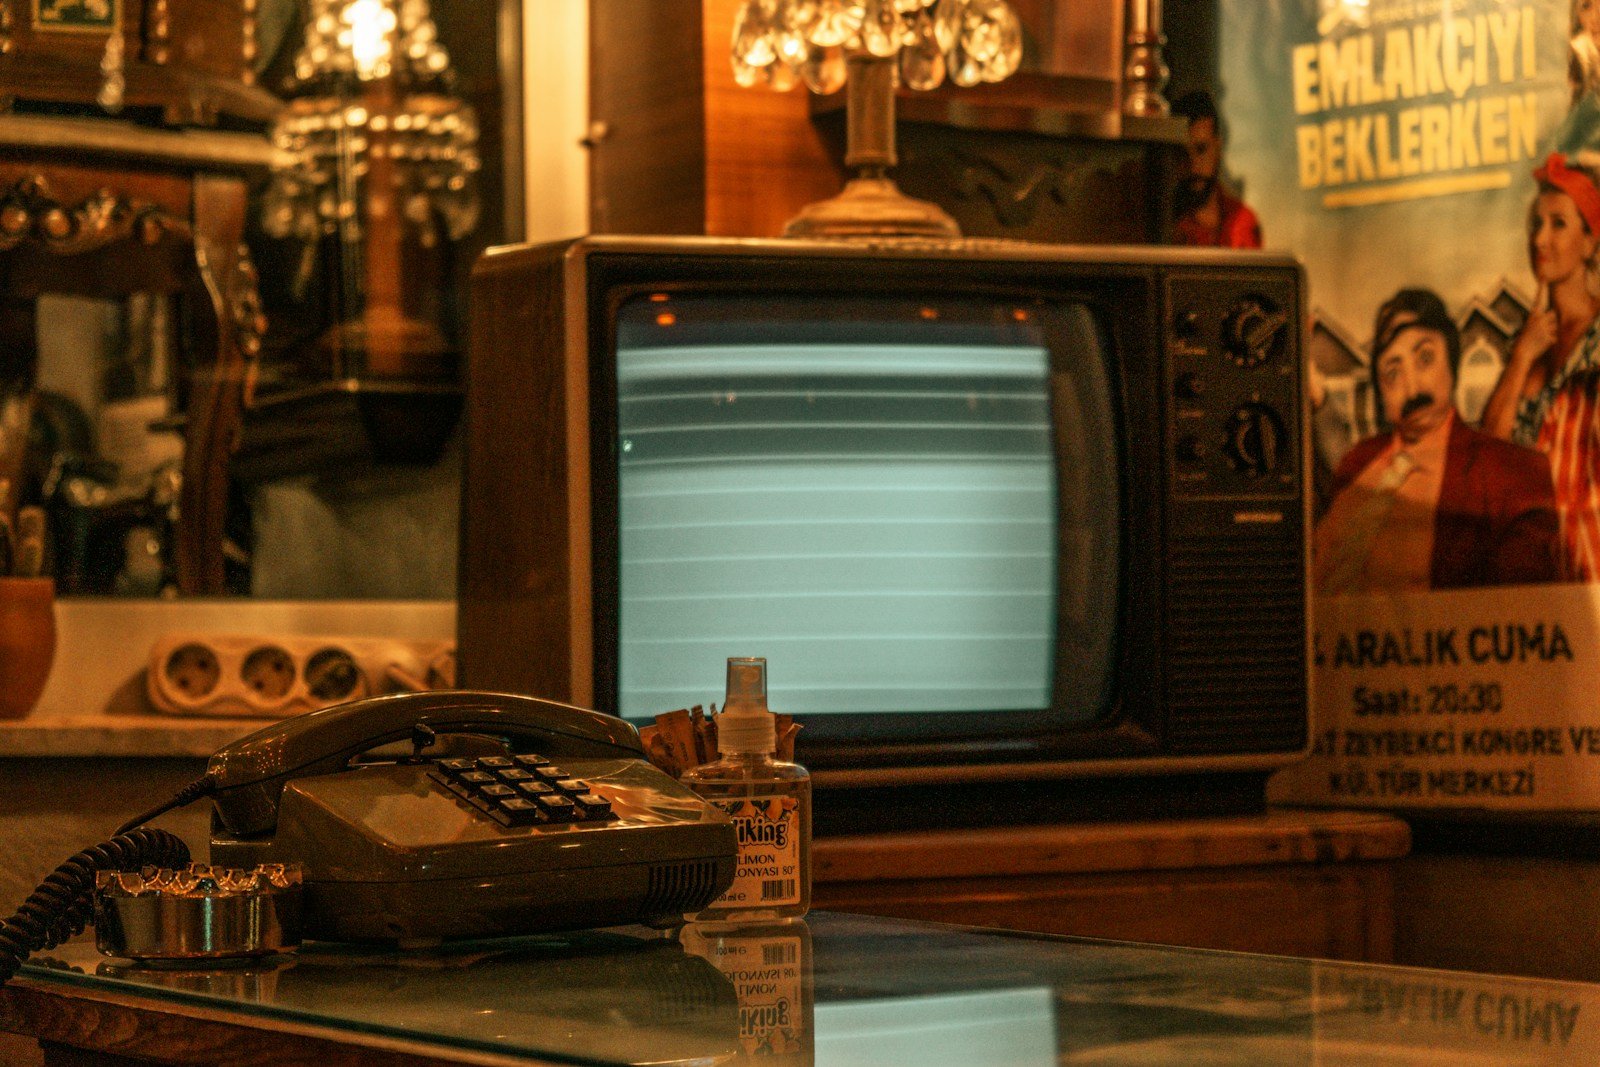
<point>746,727</point>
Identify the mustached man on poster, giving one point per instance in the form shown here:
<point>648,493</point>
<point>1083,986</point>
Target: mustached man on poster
<point>1436,165</point>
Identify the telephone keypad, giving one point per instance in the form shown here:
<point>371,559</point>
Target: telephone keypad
<point>517,793</point>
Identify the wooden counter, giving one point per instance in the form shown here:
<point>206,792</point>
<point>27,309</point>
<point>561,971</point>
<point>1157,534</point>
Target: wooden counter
<point>1305,883</point>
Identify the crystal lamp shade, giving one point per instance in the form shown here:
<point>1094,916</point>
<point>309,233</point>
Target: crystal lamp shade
<point>370,102</point>
<point>780,43</point>
<point>369,39</point>
<point>332,145</point>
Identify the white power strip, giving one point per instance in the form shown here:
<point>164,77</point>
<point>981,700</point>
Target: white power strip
<point>259,676</point>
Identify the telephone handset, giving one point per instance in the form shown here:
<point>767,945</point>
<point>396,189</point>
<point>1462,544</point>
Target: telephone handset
<point>565,826</point>
<point>248,775</point>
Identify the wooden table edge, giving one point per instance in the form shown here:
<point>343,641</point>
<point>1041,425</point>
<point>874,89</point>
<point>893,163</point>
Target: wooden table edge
<point>178,1032</point>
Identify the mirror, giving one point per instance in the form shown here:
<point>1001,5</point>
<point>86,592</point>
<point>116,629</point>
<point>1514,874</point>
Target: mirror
<point>338,486</point>
<point>105,478</point>
<point>105,455</point>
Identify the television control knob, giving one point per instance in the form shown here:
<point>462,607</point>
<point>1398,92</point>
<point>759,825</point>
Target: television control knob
<point>1255,332</point>
<point>1189,386</point>
<point>1255,440</point>
<point>1191,449</point>
<point>1186,324</point>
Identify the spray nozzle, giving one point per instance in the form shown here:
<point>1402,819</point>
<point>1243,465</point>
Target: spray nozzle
<point>746,725</point>
<point>747,682</point>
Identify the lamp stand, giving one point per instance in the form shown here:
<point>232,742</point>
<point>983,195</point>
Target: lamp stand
<point>1144,68</point>
<point>871,205</point>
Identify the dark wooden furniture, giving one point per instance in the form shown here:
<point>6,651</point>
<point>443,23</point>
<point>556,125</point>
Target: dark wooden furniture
<point>1299,883</point>
<point>103,209</point>
<point>189,61</point>
<point>1516,895</point>
<point>1038,157</point>
<point>678,147</point>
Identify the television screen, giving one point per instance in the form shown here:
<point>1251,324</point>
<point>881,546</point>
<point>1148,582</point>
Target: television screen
<point>908,506</point>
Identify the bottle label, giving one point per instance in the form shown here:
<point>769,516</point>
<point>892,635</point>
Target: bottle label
<point>768,871</point>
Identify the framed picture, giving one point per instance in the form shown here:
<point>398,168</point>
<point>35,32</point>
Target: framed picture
<point>77,16</point>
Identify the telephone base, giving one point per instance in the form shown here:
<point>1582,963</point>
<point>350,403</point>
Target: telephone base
<point>406,852</point>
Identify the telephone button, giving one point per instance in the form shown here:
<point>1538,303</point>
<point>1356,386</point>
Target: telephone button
<point>517,812</point>
<point>482,803</point>
<point>558,807</point>
<point>498,792</point>
<point>494,763</point>
<point>529,760</point>
<point>513,774</point>
<point>550,774</point>
<point>591,806</point>
<point>572,785</point>
<point>459,789</point>
<point>535,789</point>
<point>457,766</point>
<point>478,778</point>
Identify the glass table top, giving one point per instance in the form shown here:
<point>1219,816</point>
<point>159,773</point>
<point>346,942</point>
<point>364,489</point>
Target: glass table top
<point>846,990</point>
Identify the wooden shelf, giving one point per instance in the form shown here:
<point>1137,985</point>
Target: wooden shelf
<point>1279,836</point>
<point>138,736</point>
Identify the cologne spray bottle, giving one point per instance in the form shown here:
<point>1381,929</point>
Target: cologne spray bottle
<point>768,799</point>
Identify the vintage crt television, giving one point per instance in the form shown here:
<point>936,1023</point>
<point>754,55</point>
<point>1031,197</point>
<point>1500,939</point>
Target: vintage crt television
<point>1021,530</point>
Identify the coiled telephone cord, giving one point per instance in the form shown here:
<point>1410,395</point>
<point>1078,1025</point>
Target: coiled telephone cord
<point>64,903</point>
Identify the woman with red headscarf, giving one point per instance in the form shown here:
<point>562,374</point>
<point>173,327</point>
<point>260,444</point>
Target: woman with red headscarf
<point>1548,395</point>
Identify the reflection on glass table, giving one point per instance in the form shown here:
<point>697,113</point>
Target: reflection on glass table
<point>861,990</point>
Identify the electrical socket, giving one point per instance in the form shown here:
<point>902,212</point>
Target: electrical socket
<point>260,676</point>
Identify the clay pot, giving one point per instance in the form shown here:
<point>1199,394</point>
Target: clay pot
<point>27,642</point>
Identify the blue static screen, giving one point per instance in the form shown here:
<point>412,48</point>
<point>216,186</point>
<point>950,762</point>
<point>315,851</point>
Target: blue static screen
<point>867,499</point>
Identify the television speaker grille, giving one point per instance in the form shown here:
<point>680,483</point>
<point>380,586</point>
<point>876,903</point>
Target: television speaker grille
<point>1235,673</point>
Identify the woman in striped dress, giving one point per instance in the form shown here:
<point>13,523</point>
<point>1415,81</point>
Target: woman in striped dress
<point>1548,395</point>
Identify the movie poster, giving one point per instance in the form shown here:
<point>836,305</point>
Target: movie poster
<point>1436,165</point>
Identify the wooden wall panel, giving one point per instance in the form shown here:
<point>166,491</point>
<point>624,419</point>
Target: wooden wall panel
<point>646,102</point>
<point>765,160</point>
